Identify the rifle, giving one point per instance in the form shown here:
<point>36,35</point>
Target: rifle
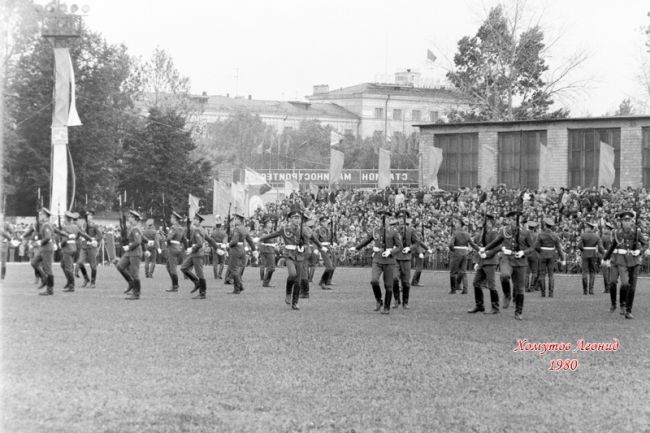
<point>301,242</point>
<point>188,227</point>
<point>123,230</point>
<point>228,222</point>
<point>636,221</point>
<point>383,225</point>
<point>484,234</point>
<point>39,206</point>
<point>164,215</point>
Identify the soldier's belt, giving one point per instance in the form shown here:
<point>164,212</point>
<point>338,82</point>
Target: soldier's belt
<point>588,248</point>
<point>268,245</point>
<point>72,237</point>
<point>290,247</point>
<point>240,243</point>
<point>618,251</point>
<point>175,242</point>
<point>325,244</point>
<point>461,248</point>
<point>548,248</point>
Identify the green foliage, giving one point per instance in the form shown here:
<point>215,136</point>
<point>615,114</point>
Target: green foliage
<point>625,108</point>
<point>502,72</point>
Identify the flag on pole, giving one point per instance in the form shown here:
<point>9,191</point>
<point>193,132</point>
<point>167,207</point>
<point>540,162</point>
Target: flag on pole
<point>430,56</point>
<point>336,166</point>
<point>313,189</point>
<point>260,148</point>
<point>238,194</point>
<point>335,138</point>
<point>256,182</point>
<point>430,160</point>
<point>193,203</point>
<point>221,196</point>
<point>290,186</point>
<point>65,110</point>
<point>384,168</point>
<point>606,170</point>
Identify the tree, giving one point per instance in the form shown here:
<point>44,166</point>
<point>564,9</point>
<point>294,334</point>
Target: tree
<point>503,72</point>
<point>625,108</point>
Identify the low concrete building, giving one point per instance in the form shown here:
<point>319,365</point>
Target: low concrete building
<point>541,153</point>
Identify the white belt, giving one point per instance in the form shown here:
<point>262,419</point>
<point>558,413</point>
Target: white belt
<point>268,245</point>
<point>175,242</point>
<point>617,251</point>
<point>290,247</point>
<point>240,243</point>
<point>72,237</point>
<point>589,248</point>
<point>325,243</point>
<point>549,248</point>
<point>461,248</point>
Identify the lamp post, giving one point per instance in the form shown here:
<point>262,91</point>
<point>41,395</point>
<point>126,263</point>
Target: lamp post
<point>61,27</point>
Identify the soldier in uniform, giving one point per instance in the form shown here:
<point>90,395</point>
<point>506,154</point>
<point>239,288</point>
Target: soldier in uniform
<point>410,240</point>
<point>267,253</point>
<point>7,240</point>
<point>293,252</point>
<point>486,268</point>
<point>218,239</point>
<point>606,240</point>
<point>152,248</point>
<point>549,248</point>
<point>513,260</point>
<point>459,246</point>
<point>312,257</point>
<point>42,260</point>
<point>532,278</point>
<point>420,250</point>
<point>238,257</point>
<point>325,236</point>
<point>194,257</point>
<point>90,238</point>
<point>386,245</point>
<point>175,236</point>
<point>129,264</point>
<point>591,248</point>
<point>68,239</point>
<point>625,252</point>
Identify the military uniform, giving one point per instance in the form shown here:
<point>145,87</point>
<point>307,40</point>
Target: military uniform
<point>129,264</point>
<point>403,258</point>
<point>89,240</point>
<point>218,240</point>
<point>6,241</point>
<point>513,264</point>
<point>591,248</point>
<point>549,248</point>
<point>459,247</point>
<point>68,235</point>
<point>175,237</point>
<point>267,258</point>
<point>151,239</point>
<point>238,257</point>
<point>325,236</point>
<point>625,254</point>
<point>194,258</point>
<point>43,257</point>
<point>532,278</point>
<point>607,271</point>
<point>386,245</point>
<point>418,255</point>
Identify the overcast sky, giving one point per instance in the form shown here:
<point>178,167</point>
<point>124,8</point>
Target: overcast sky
<point>278,49</point>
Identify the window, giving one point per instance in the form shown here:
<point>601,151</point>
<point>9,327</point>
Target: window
<point>584,155</point>
<point>416,115</point>
<point>379,113</point>
<point>518,158</point>
<point>397,114</point>
<point>459,160</point>
<point>433,116</point>
<point>645,162</point>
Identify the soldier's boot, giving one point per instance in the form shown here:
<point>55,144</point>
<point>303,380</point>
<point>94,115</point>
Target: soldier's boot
<point>3,272</point>
<point>387,299</point>
<point>542,288</point>
<point>82,268</point>
<point>70,285</point>
<point>629,301</point>
<point>128,279</point>
<point>76,271</point>
<point>416,279</point>
<point>220,272</point>
<point>93,278</point>
<point>288,291</point>
<point>329,277</point>
<point>376,291</point>
<point>494,300</point>
<point>519,305</point>
<point>406,292</point>
<point>622,297</point>
<point>304,289</point>
<point>135,293</point>
<point>396,293</point>
<point>262,269</point>
<point>551,287</point>
<point>592,280</point>
<point>267,278</point>
<point>584,284</point>
<point>296,294</point>
<point>174,287</point>
<point>202,289</point>
<point>452,284</point>
<point>505,286</point>
<point>312,271</point>
<point>612,296</point>
<point>49,286</point>
<point>153,268</point>
<point>478,301</point>
<point>323,280</point>
<point>462,282</point>
<point>190,276</point>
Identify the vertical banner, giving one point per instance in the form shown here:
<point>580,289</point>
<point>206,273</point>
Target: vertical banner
<point>336,165</point>
<point>384,169</point>
<point>221,197</point>
<point>238,193</point>
<point>430,162</point>
<point>65,111</point>
<point>606,170</point>
<point>193,203</point>
<point>436,163</point>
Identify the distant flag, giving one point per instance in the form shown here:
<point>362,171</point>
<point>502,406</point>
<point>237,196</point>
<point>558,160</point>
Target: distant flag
<point>335,138</point>
<point>336,165</point>
<point>606,170</point>
<point>65,111</point>
<point>430,162</point>
<point>238,193</point>
<point>194,206</point>
<point>384,168</point>
<point>260,148</point>
<point>430,56</point>
<point>221,196</point>
<point>256,182</point>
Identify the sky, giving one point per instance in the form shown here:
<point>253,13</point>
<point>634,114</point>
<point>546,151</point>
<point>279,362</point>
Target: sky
<point>280,49</point>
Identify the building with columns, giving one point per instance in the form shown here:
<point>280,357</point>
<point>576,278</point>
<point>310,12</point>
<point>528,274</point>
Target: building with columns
<point>540,153</point>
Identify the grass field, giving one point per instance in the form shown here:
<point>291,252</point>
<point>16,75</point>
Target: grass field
<point>91,362</point>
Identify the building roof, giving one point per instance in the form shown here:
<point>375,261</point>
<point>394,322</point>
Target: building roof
<point>225,104</point>
<point>531,122</point>
<point>392,89</point>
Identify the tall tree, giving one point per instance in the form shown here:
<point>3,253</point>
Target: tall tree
<point>502,70</point>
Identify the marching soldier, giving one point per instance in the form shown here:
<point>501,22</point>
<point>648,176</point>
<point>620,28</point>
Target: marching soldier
<point>532,278</point>
<point>606,240</point>
<point>152,248</point>
<point>625,252</point>
<point>194,257</point>
<point>513,260</point>
<point>459,246</point>
<point>42,260</point>
<point>591,248</point>
<point>7,240</point>
<point>325,236</point>
<point>90,239</point>
<point>218,239</point>
<point>238,252</point>
<point>420,250</point>
<point>410,240</point>
<point>293,253</point>
<point>129,264</point>
<point>386,244</point>
<point>549,247</point>
<point>175,235</point>
<point>68,236</point>
<point>486,268</point>
<point>312,257</point>
<point>267,253</point>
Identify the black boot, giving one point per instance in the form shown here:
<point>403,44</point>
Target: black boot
<point>304,289</point>
<point>406,292</point>
<point>505,286</point>
<point>311,272</point>
<point>49,289</point>
<point>93,278</point>
<point>295,294</point>
<point>323,280</point>
<point>387,300</point>
<point>396,294</point>
<point>478,301</point>
<point>82,268</point>
<point>267,278</point>
<point>128,279</point>
<point>174,287</point>
<point>289,287</point>
<point>329,277</point>
<point>376,291</point>
<point>592,280</point>
<point>190,276</point>
<point>416,279</point>
<point>220,273</point>
<point>551,286</point>
<point>3,272</point>
<point>202,289</point>
<point>135,293</point>
<point>261,273</point>
<point>584,284</point>
<point>519,306</point>
<point>542,287</point>
<point>452,284</point>
<point>612,296</point>
<point>494,300</point>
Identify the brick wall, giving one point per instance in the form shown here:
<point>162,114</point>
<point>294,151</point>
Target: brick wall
<point>631,141</point>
